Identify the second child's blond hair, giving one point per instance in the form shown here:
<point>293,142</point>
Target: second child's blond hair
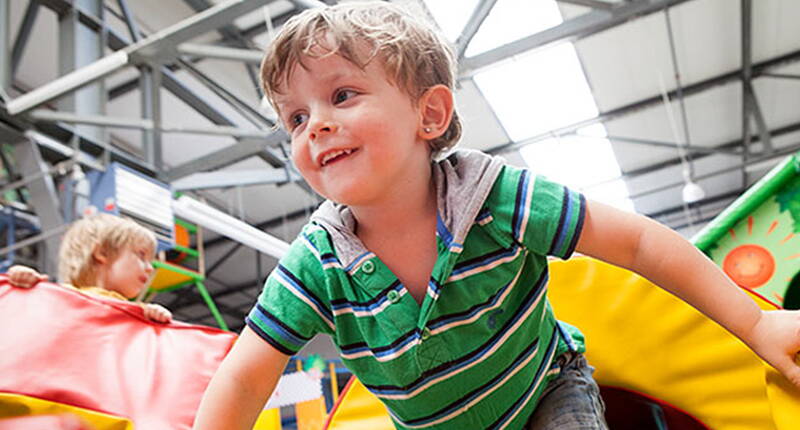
<point>413,55</point>
<point>106,233</point>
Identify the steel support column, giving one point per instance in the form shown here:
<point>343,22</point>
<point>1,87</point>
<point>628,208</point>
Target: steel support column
<point>23,34</point>
<point>747,74</point>
<point>150,81</point>
<point>43,198</point>
<point>80,46</point>
<point>5,48</point>
<point>750,107</point>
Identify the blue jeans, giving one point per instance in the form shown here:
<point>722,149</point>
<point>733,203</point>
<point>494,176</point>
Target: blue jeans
<point>572,400</point>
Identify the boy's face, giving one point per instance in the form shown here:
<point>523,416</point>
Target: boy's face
<point>354,133</point>
<point>128,272</point>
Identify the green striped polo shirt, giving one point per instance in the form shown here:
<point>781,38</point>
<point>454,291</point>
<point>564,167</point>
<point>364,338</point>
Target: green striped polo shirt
<point>479,350</point>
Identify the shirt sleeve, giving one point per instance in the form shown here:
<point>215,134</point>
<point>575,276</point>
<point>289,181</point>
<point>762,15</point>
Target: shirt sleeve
<point>293,306</point>
<point>542,215</point>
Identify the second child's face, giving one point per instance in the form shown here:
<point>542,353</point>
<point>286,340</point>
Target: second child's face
<point>129,272</point>
<point>354,133</point>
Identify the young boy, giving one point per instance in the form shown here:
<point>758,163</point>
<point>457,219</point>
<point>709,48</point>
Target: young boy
<point>103,255</point>
<point>431,276</point>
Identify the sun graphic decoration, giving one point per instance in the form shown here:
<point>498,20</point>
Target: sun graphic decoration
<point>750,266</point>
<point>761,251</point>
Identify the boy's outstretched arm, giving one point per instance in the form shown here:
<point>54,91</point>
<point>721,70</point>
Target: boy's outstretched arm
<point>661,255</point>
<point>241,386</point>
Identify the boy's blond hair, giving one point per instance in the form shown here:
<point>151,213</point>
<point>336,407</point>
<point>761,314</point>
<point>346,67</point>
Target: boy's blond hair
<point>414,56</point>
<point>107,233</point>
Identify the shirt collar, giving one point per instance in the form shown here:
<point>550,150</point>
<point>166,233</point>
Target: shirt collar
<point>463,180</point>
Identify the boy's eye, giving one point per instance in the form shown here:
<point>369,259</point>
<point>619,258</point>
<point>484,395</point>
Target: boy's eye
<point>297,119</point>
<point>343,95</point>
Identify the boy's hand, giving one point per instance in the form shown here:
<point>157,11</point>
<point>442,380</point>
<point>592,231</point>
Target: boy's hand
<point>776,338</point>
<point>157,313</point>
<point>25,277</point>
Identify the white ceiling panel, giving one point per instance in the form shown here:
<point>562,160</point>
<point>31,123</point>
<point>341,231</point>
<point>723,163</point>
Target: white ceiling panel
<point>632,62</point>
<point>481,129</point>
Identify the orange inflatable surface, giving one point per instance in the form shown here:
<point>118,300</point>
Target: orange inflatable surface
<point>59,346</point>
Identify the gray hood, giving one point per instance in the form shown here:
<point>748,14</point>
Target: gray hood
<point>463,180</point>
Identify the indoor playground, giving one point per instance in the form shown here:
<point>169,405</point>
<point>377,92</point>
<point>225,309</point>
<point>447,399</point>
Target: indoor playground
<point>152,111</point>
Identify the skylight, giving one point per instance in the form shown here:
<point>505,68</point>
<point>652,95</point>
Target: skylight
<point>538,92</point>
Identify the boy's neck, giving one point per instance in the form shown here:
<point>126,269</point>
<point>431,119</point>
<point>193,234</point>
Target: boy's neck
<point>404,208</point>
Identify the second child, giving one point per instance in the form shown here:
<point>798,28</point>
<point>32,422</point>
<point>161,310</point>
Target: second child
<point>103,255</point>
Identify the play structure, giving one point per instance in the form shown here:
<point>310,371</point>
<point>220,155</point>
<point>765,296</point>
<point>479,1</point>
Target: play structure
<point>184,266</point>
<point>754,239</point>
<point>98,360</point>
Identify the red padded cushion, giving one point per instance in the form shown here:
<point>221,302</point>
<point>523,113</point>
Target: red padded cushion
<point>102,354</point>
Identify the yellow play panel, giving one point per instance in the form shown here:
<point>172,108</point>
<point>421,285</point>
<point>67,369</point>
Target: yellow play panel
<point>17,405</point>
<point>165,277</point>
<point>642,338</point>
<point>359,410</point>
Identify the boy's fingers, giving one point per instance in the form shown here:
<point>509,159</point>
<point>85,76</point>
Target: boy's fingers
<point>790,370</point>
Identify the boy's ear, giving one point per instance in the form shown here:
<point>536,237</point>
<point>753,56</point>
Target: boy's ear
<point>98,255</point>
<point>436,112</point>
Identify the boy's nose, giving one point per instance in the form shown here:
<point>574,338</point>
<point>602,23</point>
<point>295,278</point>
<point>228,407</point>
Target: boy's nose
<point>148,267</point>
<point>323,127</point>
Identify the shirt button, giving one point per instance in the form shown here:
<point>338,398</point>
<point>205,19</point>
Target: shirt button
<point>368,267</point>
<point>393,296</point>
<point>426,334</point>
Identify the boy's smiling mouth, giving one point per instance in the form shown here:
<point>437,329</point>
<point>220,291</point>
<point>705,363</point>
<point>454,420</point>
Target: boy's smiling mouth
<point>334,155</point>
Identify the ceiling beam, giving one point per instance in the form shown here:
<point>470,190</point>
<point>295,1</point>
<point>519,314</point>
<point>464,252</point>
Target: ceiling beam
<point>156,47</point>
<point>232,34</point>
<point>781,76</point>
<point>694,149</point>
<point>739,166</point>
<point>594,4</point>
<point>250,56</point>
<point>693,223</point>
<point>568,31</point>
<point>233,178</point>
<point>652,101</point>
<point>274,222</point>
<point>179,304</point>
<point>737,143</point>
<point>48,115</point>
<point>706,201</point>
<point>130,20</point>
<point>473,25</point>
<point>220,158</point>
